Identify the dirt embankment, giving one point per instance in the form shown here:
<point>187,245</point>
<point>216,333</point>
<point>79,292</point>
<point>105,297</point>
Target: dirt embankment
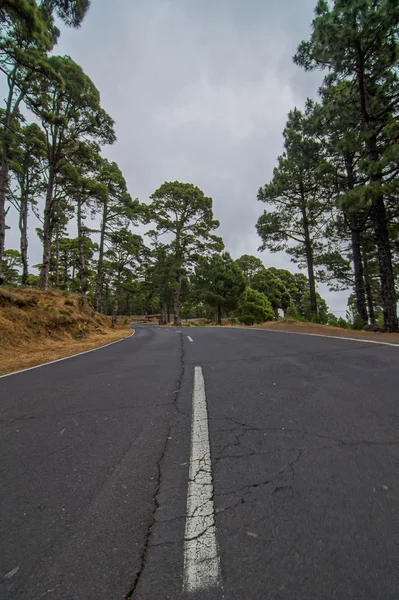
<point>37,327</point>
<point>300,327</point>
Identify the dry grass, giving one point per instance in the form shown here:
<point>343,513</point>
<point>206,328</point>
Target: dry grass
<point>37,327</point>
<point>298,326</point>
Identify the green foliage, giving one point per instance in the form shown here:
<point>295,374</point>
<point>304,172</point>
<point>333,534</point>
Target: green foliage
<point>182,212</point>
<point>271,285</point>
<point>301,195</point>
<point>293,312</point>
<point>254,307</point>
<point>11,267</point>
<point>322,309</point>
<point>72,12</point>
<point>380,319</point>
<point>299,191</point>
<point>357,43</point>
<point>342,323</point>
<point>250,266</point>
<point>220,282</point>
<point>332,320</point>
<point>358,322</point>
<point>126,249</point>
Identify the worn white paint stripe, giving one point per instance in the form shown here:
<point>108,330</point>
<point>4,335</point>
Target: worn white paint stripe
<point>67,357</point>
<point>201,552</point>
<point>333,337</point>
<point>190,339</point>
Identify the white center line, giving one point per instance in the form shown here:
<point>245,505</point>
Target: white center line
<point>190,339</point>
<point>201,552</point>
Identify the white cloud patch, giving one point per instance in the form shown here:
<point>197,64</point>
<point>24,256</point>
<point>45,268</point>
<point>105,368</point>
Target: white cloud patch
<point>236,112</point>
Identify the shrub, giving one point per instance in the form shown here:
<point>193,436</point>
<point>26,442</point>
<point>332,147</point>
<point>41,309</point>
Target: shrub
<point>342,323</point>
<point>332,320</point>
<point>358,322</point>
<point>69,303</point>
<point>292,312</point>
<point>254,307</point>
<point>247,319</point>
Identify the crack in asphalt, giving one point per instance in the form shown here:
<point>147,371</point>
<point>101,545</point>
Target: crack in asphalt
<point>78,412</point>
<point>152,522</point>
<point>318,354</point>
<point>153,519</point>
<point>277,488</point>
<point>338,441</point>
<point>180,378</point>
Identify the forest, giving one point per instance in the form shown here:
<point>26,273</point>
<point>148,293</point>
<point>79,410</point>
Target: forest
<point>331,205</point>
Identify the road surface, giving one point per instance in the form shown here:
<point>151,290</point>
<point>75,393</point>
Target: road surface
<point>203,463</point>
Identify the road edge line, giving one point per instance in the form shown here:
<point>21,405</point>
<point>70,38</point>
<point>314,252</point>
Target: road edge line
<point>324,335</point>
<point>50,362</point>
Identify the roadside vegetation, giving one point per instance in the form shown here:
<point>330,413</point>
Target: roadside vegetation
<point>331,205</point>
<point>38,326</point>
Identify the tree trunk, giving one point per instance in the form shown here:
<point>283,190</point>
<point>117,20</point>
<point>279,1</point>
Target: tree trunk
<point>47,231</point>
<point>356,246</point>
<point>82,265</point>
<point>379,213</point>
<point>168,313</point>
<point>176,301</point>
<point>3,193</point>
<point>309,258</point>
<point>369,293</point>
<point>57,259</point>
<point>385,265</point>
<point>165,314</point>
<point>8,117</point>
<point>219,314</point>
<point>100,264</point>
<point>23,228</point>
<point>106,311</point>
<point>115,309</point>
<point>312,282</point>
<point>359,275</point>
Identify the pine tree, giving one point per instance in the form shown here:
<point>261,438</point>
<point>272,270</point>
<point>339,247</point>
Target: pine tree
<point>357,42</point>
<point>220,281</point>
<point>69,114</point>
<point>27,182</point>
<point>184,212</point>
<point>301,193</point>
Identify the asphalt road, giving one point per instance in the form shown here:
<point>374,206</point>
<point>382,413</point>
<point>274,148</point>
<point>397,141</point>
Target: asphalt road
<point>301,490</point>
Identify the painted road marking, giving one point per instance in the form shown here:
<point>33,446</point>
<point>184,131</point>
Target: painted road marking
<point>68,357</point>
<point>332,337</point>
<point>190,339</point>
<point>201,552</point>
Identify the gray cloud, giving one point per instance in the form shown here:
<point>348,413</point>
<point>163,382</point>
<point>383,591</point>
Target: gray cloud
<point>200,92</point>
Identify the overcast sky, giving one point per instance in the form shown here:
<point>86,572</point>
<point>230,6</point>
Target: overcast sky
<point>200,92</point>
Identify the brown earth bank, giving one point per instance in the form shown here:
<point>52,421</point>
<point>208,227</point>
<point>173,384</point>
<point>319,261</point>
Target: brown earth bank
<point>300,327</point>
<point>37,327</point>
